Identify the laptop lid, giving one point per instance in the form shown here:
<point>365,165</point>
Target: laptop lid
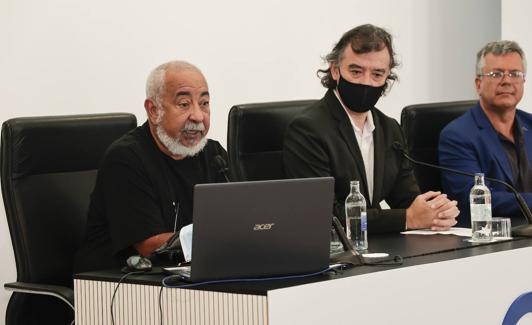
<point>261,228</point>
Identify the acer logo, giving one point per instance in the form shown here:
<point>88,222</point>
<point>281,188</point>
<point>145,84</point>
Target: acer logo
<point>263,226</point>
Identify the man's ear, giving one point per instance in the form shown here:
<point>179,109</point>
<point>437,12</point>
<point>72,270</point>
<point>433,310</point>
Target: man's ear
<point>477,84</point>
<point>335,72</point>
<point>151,110</point>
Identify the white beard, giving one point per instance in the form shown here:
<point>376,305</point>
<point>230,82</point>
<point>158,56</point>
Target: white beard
<point>173,145</point>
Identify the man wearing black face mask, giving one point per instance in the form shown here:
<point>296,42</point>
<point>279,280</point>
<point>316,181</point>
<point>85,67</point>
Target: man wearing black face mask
<point>345,136</point>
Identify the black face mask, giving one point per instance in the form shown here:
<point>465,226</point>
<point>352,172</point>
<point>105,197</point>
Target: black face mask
<point>357,97</point>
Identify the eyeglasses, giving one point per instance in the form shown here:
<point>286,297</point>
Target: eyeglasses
<point>498,75</point>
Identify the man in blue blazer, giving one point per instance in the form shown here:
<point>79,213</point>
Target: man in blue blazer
<point>493,137</point>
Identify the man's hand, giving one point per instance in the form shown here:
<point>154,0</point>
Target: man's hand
<point>147,246</point>
<point>432,210</point>
<point>446,213</point>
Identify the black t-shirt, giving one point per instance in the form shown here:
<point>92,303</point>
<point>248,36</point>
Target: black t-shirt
<point>187,172</point>
<point>140,192</point>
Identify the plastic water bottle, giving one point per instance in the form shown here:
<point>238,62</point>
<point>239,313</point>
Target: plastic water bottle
<point>356,219</point>
<point>480,204</point>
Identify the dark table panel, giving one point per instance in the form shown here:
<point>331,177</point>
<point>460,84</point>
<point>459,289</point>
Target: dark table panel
<point>415,250</point>
<point>409,246</point>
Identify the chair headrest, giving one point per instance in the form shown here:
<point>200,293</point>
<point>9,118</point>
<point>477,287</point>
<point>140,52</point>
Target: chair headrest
<point>423,123</point>
<point>36,145</point>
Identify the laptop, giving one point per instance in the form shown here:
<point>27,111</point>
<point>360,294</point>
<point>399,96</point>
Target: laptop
<point>261,228</point>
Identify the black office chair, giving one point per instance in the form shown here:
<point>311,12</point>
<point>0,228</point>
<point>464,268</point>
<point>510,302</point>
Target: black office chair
<point>255,138</point>
<point>422,125</point>
<point>48,168</point>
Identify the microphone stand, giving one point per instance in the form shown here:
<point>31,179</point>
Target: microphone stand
<point>520,231</point>
<point>221,165</point>
<point>349,255</point>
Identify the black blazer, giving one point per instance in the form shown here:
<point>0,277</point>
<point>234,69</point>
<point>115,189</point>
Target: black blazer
<point>321,142</point>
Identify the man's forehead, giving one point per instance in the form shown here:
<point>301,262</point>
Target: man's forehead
<point>184,92</point>
<point>373,59</point>
<point>512,58</point>
<point>186,82</point>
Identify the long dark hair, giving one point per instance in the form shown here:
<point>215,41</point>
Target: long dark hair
<point>363,39</point>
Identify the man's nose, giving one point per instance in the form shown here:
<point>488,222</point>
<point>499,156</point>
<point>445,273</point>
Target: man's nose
<point>506,79</point>
<point>366,79</point>
<point>196,114</point>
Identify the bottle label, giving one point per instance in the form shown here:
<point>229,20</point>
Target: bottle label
<point>363,221</point>
<point>480,212</point>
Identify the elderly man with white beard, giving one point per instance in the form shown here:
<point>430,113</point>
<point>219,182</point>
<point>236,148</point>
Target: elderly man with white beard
<point>144,188</point>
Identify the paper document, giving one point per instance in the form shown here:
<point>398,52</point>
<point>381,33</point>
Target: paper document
<point>185,236</point>
<point>463,232</point>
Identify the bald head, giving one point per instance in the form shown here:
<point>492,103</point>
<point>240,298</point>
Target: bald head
<point>155,85</point>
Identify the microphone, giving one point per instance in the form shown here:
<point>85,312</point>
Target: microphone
<point>221,165</point>
<point>523,231</point>
<point>349,255</point>
<point>353,258</point>
<point>348,245</point>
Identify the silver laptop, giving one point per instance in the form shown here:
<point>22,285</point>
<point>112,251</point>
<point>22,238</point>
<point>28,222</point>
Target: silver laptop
<point>261,228</point>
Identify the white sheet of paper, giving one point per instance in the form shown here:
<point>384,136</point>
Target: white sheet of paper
<point>494,239</point>
<point>463,232</point>
<point>384,205</point>
<point>185,236</point>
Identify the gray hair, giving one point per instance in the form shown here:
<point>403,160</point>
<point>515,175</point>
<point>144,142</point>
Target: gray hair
<point>498,48</point>
<point>155,84</point>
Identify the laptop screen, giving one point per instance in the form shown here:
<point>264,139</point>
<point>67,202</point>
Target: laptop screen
<point>261,228</point>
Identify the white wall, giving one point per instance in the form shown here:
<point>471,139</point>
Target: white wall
<point>67,57</point>
<point>515,25</point>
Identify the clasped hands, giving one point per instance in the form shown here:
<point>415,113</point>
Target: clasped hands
<point>432,210</point>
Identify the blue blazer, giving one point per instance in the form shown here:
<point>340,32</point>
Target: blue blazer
<point>471,144</point>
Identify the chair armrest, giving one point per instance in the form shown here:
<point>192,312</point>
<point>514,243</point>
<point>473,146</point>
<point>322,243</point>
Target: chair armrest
<point>64,293</point>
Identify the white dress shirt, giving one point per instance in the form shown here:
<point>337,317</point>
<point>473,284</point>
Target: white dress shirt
<point>364,138</point>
